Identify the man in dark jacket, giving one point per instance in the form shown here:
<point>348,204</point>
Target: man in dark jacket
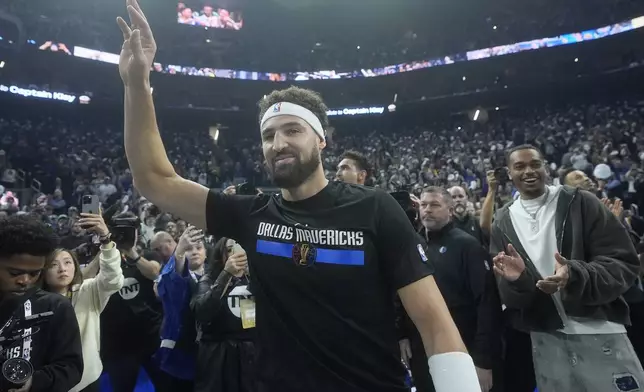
<point>464,220</point>
<point>563,262</point>
<point>37,326</point>
<point>464,277</point>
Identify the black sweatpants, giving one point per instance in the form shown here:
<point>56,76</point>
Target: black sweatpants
<point>124,373</point>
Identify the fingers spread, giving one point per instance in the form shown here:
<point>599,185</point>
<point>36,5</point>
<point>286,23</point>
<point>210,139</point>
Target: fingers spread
<point>196,239</point>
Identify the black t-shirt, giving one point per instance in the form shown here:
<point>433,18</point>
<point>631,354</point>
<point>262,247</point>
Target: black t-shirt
<point>323,271</point>
<point>131,320</point>
<point>224,314</point>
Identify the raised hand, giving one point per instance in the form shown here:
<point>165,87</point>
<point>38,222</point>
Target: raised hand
<point>94,223</point>
<point>190,237</point>
<point>509,265</point>
<point>492,181</point>
<point>617,208</point>
<point>139,47</point>
<point>237,264</point>
<point>415,201</point>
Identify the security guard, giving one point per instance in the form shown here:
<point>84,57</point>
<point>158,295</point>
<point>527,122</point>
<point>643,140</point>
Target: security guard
<point>464,276</point>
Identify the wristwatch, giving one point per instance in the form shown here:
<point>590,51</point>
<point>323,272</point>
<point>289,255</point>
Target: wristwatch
<point>106,239</point>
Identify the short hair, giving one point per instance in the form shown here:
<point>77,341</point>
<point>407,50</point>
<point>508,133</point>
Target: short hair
<point>25,234</point>
<point>564,173</point>
<point>447,197</point>
<point>78,275</point>
<point>519,148</point>
<point>308,99</point>
<point>161,236</point>
<point>360,159</point>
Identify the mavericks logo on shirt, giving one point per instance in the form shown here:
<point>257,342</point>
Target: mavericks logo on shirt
<point>304,254</point>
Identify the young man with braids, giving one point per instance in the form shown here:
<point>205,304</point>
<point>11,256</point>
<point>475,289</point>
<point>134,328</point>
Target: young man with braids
<point>325,257</point>
<point>35,325</point>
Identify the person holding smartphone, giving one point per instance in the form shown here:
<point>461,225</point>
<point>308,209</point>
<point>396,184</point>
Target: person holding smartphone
<point>88,297</point>
<point>177,283</point>
<point>225,324</point>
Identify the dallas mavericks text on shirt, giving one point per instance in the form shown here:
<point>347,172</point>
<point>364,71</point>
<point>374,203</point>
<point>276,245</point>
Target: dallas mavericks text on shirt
<point>320,237</point>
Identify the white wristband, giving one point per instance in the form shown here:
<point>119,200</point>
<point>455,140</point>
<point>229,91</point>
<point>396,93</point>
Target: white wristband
<point>452,372</point>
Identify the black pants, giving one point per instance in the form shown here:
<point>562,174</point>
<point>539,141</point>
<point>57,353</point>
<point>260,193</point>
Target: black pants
<point>124,373</point>
<point>636,329</point>
<point>227,366</point>
<point>518,366</point>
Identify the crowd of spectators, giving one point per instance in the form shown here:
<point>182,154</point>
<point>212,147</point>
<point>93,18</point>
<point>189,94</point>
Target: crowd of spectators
<point>62,160</point>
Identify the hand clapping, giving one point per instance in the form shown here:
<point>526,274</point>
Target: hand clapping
<point>552,284</point>
<point>509,265</point>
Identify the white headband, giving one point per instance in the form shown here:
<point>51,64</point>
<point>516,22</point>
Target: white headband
<point>291,109</point>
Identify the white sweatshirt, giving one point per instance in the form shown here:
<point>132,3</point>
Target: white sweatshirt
<point>89,300</point>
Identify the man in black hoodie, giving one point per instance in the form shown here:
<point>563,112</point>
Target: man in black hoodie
<point>563,263</point>
<point>37,326</point>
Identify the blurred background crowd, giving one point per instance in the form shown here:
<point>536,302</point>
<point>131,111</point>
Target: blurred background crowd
<point>62,159</point>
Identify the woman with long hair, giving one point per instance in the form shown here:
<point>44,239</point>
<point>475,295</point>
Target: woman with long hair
<point>225,326</point>
<point>89,297</point>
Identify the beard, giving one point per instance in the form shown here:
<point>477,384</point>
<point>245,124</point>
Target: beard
<point>289,176</point>
<point>434,224</point>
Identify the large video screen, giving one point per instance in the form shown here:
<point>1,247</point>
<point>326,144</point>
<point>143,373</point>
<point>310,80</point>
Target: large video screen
<point>209,15</point>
